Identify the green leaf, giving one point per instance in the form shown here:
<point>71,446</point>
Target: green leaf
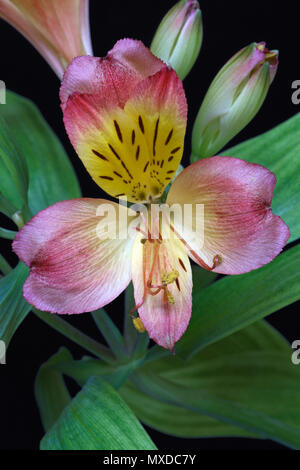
<point>234,302</point>
<point>246,380</point>
<point>6,207</point>
<point>51,176</point>
<point>183,422</point>
<point>13,168</point>
<point>202,278</point>
<point>97,419</point>
<point>81,370</point>
<point>51,393</point>
<point>279,151</point>
<point>175,420</point>
<point>13,307</point>
<point>27,144</point>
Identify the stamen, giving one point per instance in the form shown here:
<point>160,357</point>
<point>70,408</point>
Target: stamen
<point>169,278</point>
<point>143,233</point>
<point>170,297</point>
<point>138,324</point>
<point>216,260</point>
<point>166,278</point>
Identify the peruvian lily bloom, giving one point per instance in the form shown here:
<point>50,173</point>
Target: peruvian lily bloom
<point>126,118</point>
<point>58,29</point>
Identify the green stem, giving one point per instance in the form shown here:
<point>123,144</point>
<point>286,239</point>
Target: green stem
<point>130,333</point>
<point>156,352</point>
<point>4,266</point>
<point>136,343</point>
<point>9,234</point>
<point>141,345</point>
<point>76,335</point>
<point>111,333</point>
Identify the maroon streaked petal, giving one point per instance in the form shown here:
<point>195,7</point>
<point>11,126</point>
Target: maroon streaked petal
<point>73,268</point>
<point>239,225</point>
<point>164,321</point>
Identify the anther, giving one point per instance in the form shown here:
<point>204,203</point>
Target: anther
<point>170,297</point>
<point>216,261</point>
<point>138,324</point>
<point>169,277</point>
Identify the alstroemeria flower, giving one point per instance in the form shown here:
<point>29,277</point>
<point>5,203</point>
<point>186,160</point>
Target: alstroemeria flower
<point>58,29</point>
<point>126,117</point>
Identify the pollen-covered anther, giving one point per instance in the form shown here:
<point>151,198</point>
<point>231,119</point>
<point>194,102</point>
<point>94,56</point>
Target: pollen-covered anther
<point>216,261</point>
<point>170,297</point>
<point>169,277</point>
<point>138,324</point>
<point>166,279</point>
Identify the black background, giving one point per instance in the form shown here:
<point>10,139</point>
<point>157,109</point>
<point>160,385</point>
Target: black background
<point>228,26</point>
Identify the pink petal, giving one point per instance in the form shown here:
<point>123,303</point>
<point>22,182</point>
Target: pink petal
<point>132,150</point>
<point>59,29</point>
<point>74,268</point>
<point>239,226</point>
<point>111,78</point>
<point>164,322</point>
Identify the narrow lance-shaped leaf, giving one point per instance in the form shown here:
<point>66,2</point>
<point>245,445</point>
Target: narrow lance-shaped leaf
<point>50,390</point>
<point>97,419</point>
<point>51,179</point>
<point>279,151</point>
<point>13,169</point>
<point>51,176</point>
<point>13,307</point>
<point>246,380</point>
<point>180,421</point>
<point>256,390</point>
<point>236,301</point>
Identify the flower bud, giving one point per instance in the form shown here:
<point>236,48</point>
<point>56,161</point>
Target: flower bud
<point>178,38</point>
<point>58,29</point>
<point>233,99</point>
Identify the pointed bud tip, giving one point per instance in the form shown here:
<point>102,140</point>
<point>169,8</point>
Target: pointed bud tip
<point>271,56</point>
<point>234,97</point>
<point>178,38</point>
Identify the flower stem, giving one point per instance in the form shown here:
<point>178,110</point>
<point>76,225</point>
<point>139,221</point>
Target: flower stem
<point>136,343</point>
<point>111,333</point>
<point>130,333</point>
<point>9,234</point>
<point>76,335</point>
<point>4,266</point>
<point>156,352</point>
